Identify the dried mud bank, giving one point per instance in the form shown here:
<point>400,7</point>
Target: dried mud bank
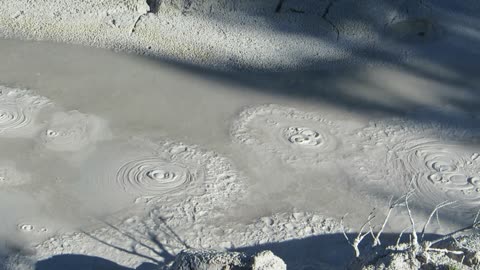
<point>234,34</point>
<point>157,238</point>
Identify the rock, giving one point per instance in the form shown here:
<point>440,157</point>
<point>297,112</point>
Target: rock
<point>266,260</point>
<point>215,260</point>
<point>396,261</point>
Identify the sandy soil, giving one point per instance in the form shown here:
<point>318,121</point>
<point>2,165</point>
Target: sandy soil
<point>231,125</point>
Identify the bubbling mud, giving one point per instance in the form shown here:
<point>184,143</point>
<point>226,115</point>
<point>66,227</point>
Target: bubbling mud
<point>19,110</point>
<point>73,131</point>
<point>440,162</point>
<point>306,137</point>
<point>151,176</point>
<point>298,138</point>
<point>441,171</point>
<point>26,227</point>
<point>162,172</point>
<point>32,229</point>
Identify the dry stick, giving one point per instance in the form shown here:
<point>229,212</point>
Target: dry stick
<point>360,236</point>
<point>438,221</point>
<point>476,217</point>
<point>413,235</point>
<point>475,225</point>
<point>443,250</point>
<point>400,237</point>
<point>443,204</point>
<point>452,235</point>
<point>376,239</point>
<point>455,233</point>
<point>371,228</point>
<point>414,240</point>
<point>343,229</point>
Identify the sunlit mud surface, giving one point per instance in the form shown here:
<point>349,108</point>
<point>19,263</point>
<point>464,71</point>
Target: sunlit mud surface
<point>130,159</point>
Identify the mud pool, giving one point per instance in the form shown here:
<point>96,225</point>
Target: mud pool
<point>91,137</point>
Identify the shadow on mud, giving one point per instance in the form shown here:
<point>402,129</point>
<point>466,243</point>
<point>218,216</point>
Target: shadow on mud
<point>317,252</point>
<point>77,262</point>
<point>426,52</point>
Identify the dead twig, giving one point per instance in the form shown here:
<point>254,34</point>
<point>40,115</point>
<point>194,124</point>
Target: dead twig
<point>360,236</point>
<point>414,240</point>
<point>376,238</point>
<point>397,245</point>
<point>438,207</point>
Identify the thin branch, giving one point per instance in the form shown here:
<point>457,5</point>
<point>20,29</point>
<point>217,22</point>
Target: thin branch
<point>370,230</point>
<point>371,227</point>
<point>474,225</point>
<point>438,207</point>
<point>438,221</point>
<point>442,250</point>
<point>476,217</point>
<point>412,221</point>
<point>457,232</point>
<point>400,237</point>
<point>371,216</point>
<point>376,239</point>
<point>343,229</point>
<point>360,236</point>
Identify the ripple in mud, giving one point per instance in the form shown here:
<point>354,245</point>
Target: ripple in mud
<point>400,150</point>
<point>299,138</point>
<point>158,170</point>
<point>18,111</point>
<point>153,176</point>
<point>443,171</point>
<point>12,117</point>
<point>73,131</point>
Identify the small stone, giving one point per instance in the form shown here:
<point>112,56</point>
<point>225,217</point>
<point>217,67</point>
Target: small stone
<point>217,260</point>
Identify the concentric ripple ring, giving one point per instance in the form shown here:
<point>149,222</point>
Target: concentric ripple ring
<point>152,176</point>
